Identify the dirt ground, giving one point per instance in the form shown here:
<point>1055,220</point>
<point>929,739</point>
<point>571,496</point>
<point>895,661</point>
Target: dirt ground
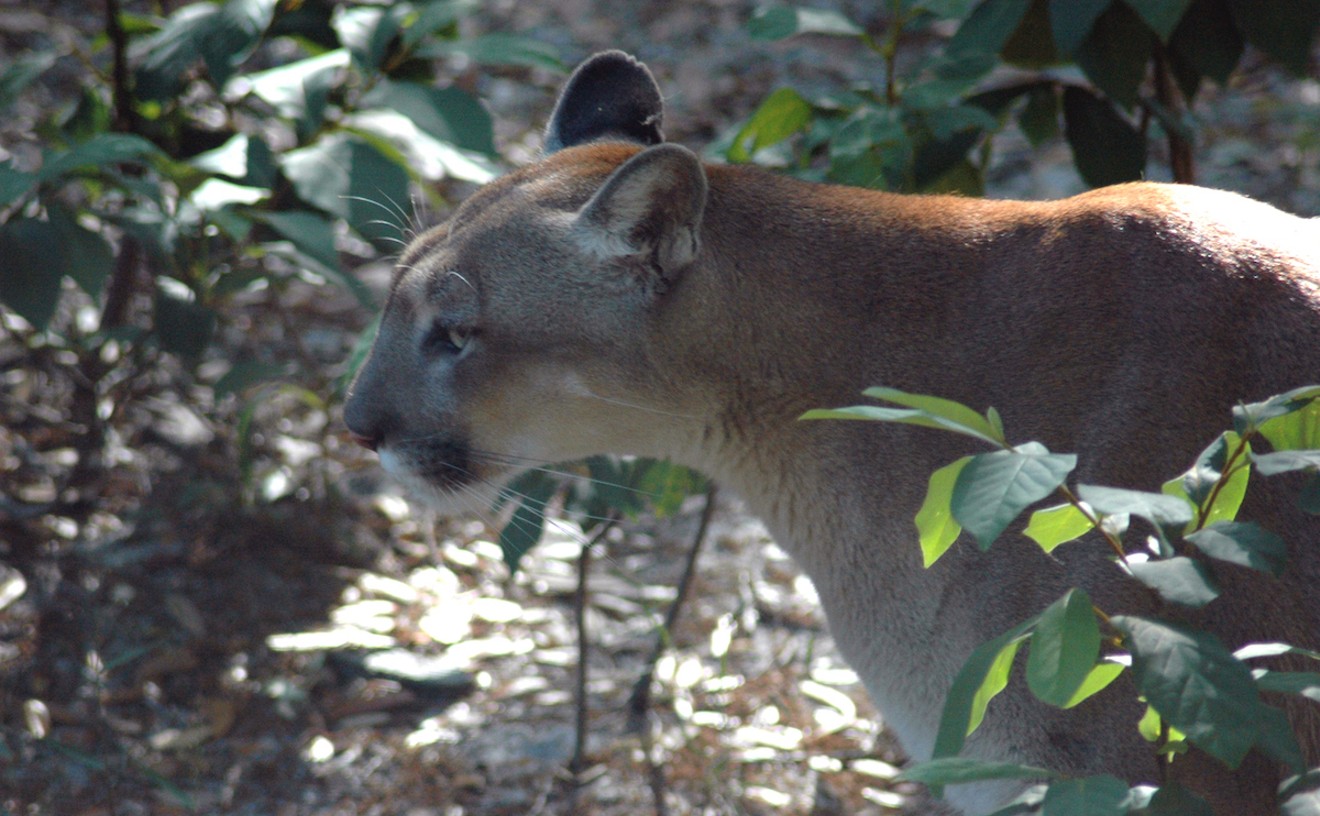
<point>184,629</point>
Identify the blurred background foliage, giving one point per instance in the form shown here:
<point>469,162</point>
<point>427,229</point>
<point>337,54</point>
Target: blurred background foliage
<point>197,201</point>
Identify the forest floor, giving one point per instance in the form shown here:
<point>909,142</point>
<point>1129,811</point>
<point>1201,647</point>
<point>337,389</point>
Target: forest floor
<point>224,607</point>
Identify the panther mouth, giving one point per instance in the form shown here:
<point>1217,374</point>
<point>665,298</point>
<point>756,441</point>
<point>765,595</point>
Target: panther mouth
<point>444,465</point>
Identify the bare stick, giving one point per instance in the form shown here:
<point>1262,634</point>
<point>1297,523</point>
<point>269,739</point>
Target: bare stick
<point>577,763</point>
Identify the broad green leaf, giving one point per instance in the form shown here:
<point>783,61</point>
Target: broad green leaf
<point>312,233</point>
<point>499,48</point>
<point>1206,43</point>
<point>14,184</point>
<point>1149,725</point>
<point>1309,499</point>
<point>1173,799</point>
<point>216,194</point>
<point>312,264</point>
<point>1039,119</point>
<point>1278,740</point>
<point>1162,16</point>
<point>79,253</point>
<point>779,22</point>
<point>955,412</point>
<point>994,488</point>
<point>1179,580</point>
<point>20,73</point>
<point>1195,684</point>
<point>1198,484</point>
<point>243,375</point>
<point>1097,680</point>
<point>959,770</point>
<point>182,325</point>
<point>935,522</point>
<point>906,416</point>
<point>1057,525</point>
<point>1299,430</point>
<point>782,114</point>
<point>286,87</point>
<point>1304,684</point>
<point>447,114</point>
<point>96,153</point>
<point>1253,651</point>
<point>1284,29</point>
<point>347,177</point>
<point>222,35</point>
<point>30,285</point>
<point>243,158</point>
<point>1087,796</point>
<point>1245,543</point>
<point>1106,148</point>
<point>1032,44</point>
<point>1156,508</point>
<point>988,28</point>
<point>666,485</point>
<point>1071,21</point>
<point>1250,416</point>
<point>984,670</point>
<point>428,157</point>
<point>1270,464</point>
<point>1064,648</point>
<point>524,529</point>
<point>1116,55</point>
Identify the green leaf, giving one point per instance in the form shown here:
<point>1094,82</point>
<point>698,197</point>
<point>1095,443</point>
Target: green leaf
<point>243,375</point>
<point>959,770</point>
<point>988,28</point>
<point>79,253</point>
<point>1173,799</point>
<point>1309,499</point>
<point>1064,648</point>
<point>1087,796</point>
<point>447,114</point>
<point>222,35</point>
<point>1206,43</point>
<point>246,159</point>
<point>782,114</point>
<point>1116,55</point>
<point>1256,650</point>
<point>1057,525</point>
<point>937,407</point>
<point>294,89</point>
<point>14,184</point>
<point>1251,416</point>
<point>1179,580</point>
<point>1032,43</point>
<point>935,522</point>
<point>1283,29</point>
<point>182,326</point>
<point>499,49</point>
<point>1305,684</point>
<point>1299,430</point>
<point>1039,119</point>
<point>95,153</point>
<point>1162,16</point>
<point>1106,148</point>
<point>347,177</point>
<point>1277,739</point>
<point>524,529</point>
<point>779,22</point>
<point>1287,461</point>
<point>1071,21</point>
<point>1195,684</point>
<point>1244,543</point>
<point>994,488</point>
<point>21,72</point>
<point>983,675</point>
<point>426,156</point>
<point>1198,484</point>
<point>1157,508</point>
<point>1096,681</point>
<point>30,285</point>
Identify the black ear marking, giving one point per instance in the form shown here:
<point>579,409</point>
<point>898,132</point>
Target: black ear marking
<point>611,95</point>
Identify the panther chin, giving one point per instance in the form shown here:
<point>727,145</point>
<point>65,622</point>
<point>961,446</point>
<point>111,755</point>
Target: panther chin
<point>445,485</point>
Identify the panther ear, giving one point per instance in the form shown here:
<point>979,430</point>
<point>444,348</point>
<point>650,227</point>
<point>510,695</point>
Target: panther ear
<point>649,208</point>
<point>610,96</point>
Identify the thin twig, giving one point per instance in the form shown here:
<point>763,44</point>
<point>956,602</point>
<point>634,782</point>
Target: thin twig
<point>577,763</point>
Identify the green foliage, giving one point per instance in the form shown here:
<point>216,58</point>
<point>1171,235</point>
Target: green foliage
<point>1197,691</point>
<point>928,125</point>
<point>231,174</point>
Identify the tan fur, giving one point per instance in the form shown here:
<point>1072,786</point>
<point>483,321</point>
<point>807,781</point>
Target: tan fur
<point>1121,324</point>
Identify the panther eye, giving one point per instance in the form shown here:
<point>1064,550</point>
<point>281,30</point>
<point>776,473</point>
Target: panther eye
<point>445,339</point>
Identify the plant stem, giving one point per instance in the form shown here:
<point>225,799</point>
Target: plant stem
<point>577,763</point>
